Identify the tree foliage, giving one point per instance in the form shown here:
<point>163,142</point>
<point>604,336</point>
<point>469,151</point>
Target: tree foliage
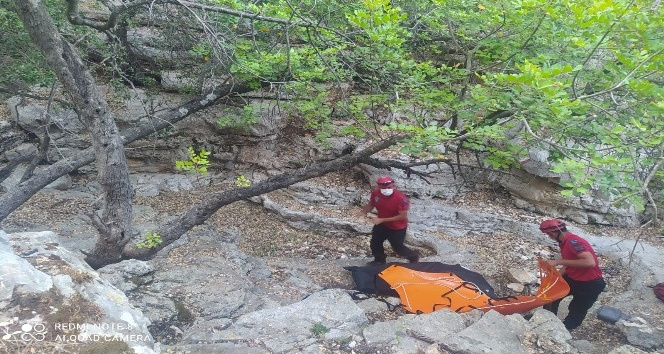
<point>581,79</point>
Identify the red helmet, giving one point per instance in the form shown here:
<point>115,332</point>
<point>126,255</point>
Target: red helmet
<point>552,225</point>
<point>385,182</point>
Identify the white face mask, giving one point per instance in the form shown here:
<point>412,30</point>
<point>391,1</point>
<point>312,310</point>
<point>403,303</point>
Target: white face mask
<point>387,192</point>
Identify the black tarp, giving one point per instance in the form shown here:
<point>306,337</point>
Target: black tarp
<point>367,280</point>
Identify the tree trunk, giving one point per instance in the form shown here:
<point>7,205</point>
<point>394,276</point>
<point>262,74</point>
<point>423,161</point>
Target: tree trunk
<point>173,230</point>
<point>114,224</point>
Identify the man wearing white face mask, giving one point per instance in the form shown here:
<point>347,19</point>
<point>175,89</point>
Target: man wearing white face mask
<point>391,221</point>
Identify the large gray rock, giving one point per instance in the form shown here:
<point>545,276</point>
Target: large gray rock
<point>413,333</point>
<point>639,333</point>
<point>550,333</point>
<point>152,45</point>
<point>31,115</point>
<point>329,314</point>
<point>313,221</point>
<point>129,274</point>
<point>539,194</point>
<point>18,275</point>
<point>69,303</point>
<point>533,188</point>
<point>219,282</point>
<point>138,106</point>
<point>442,183</point>
<point>19,151</point>
<point>627,349</point>
<point>331,196</point>
<point>481,336</point>
<point>150,185</point>
<point>225,348</point>
<point>62,183</point>
<point>11,141</point>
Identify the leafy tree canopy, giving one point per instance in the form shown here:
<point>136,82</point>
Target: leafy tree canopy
<point>581,79</point>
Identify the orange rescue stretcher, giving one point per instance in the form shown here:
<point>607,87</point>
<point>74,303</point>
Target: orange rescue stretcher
<point>422,292</point>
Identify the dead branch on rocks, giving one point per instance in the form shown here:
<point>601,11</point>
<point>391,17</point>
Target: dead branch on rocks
<point>173,230</point>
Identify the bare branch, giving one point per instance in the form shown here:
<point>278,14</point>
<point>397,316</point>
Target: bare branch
<point>174,229</point>
<point>646,182</point>
<point>242,14</point>
<point>45,139</point>
<point>554,145</point>
<point>408,167</point>
<point>21,193</point>
<point>638,239</point>
<point>75,17</point>
<point>651,199</point>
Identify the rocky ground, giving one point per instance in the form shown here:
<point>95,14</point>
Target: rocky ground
<point>266,235</point>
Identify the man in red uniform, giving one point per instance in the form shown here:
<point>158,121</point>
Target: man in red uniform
<point>580,269</point>
<point>391,221</point>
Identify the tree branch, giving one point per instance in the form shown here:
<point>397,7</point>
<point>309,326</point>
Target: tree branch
<point>174,229</point>
<point>98,224</point>
<point>636,242</point>
<point>554,145</point>
<point>45,140</point>
<point>408,167</point>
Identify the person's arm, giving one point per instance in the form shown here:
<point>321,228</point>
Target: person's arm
<point>367,208</point>
<point>403,214</point>
<point>585,260</point>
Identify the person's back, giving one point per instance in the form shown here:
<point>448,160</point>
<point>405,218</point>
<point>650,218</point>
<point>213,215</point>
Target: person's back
<point>580,269</point>
<point>570,248</point>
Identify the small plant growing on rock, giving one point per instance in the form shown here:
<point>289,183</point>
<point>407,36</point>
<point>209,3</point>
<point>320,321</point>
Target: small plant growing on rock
<point>242,181</point>
<point>198,162</point>
<point>152,240</point>
<point>318,329</point>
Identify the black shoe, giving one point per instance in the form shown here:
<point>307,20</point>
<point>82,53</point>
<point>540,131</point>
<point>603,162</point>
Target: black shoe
<point>376,263</point>
<point>414,259</point>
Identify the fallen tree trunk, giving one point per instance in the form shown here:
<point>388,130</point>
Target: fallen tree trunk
<point>173,230</point>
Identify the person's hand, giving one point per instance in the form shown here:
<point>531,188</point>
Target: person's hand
<point>361,214</point>
<point>553,262</point>
<point>377,221</point>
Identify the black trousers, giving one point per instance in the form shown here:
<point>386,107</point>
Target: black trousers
<point>380,234</point>
<point>584,294</point>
